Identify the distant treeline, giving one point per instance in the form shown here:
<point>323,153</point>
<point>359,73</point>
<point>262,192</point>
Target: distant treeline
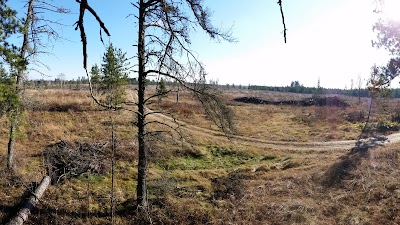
<point>295,87</point>
<point>395,93</point>
<point>79,83</point>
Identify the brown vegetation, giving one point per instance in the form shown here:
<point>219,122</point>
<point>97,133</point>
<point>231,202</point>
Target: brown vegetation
<point>211,179</point>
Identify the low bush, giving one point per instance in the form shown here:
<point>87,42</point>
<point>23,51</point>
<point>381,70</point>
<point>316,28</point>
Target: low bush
<point>355,116</point>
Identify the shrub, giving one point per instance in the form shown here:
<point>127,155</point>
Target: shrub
<point>355,116</point>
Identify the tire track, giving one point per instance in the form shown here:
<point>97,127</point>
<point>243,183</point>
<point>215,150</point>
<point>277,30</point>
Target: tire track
<point>263,143</point>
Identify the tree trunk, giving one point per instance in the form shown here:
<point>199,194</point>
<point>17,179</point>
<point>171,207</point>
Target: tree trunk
<point>10,148</point>
<point>177,94</point>
<point>367,121</point>
<point>142,204</point>
<point>19,79</point>
<point>24,212</point>
<point>112,171</point>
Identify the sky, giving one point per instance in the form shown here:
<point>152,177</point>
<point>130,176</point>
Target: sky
<point>327,40</point>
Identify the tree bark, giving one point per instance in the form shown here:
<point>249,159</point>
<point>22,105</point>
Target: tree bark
<point>142,203</point>
<point>112,171</point>
<point>10,148</point>
<point>24,212</point>
<point>177,94</point>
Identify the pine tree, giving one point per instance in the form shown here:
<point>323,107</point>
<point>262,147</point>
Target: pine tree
<point>13,57</point>
<point>9,25</point>
<point>113,76</point>
<point>8,96</point>
<point>161,90</point>
<point>163,50</point>
<point>95,76</point>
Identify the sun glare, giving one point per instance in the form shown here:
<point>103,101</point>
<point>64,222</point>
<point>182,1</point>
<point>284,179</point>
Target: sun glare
<point>391,9</point>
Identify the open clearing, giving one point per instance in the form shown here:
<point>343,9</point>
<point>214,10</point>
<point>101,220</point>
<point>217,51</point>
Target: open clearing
<point>284,165</point>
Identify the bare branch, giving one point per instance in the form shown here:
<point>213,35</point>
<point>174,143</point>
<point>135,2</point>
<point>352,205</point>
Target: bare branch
<point>156,95</point>
<point>283,19</point>
<point>83,6</point>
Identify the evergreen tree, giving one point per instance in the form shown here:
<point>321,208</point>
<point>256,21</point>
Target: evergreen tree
<point>9,25</point>
<point>8,96</point>
<point>388,37</point>
<point>318,91</point>
<point>12,56</point>
<point>161,89</point>
<point>95,76</point>
<point>113,75</point>
<point>32,27</point>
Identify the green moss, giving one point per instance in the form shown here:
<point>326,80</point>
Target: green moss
<point>215,157</point>
<point>269,157</point>
<point>93,178</point>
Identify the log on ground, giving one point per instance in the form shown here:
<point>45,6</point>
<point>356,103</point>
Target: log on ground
<point>24,212</point>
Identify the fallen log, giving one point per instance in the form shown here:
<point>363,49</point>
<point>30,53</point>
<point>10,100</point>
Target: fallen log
<point>24,212</point>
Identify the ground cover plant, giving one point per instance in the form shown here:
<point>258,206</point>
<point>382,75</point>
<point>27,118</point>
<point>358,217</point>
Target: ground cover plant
<point>266,173</point>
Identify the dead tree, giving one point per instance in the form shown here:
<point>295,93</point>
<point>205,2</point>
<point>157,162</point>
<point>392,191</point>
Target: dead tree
<point>162,41</point>
<point>163,34</point>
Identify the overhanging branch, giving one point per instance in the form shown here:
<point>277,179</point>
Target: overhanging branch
<point>83,6</point>
<point>283,20</point>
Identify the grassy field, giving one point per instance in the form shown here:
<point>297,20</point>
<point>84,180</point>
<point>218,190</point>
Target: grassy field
<point>211,179</point>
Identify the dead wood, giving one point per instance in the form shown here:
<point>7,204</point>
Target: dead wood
<point>64,160</point>
<point>24,212</point>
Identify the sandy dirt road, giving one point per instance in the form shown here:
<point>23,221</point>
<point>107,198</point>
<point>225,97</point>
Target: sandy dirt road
<point>265,143</point>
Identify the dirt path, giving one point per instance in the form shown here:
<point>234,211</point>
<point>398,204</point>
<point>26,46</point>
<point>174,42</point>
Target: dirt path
<point>263,143</point>
<point>288,145</point>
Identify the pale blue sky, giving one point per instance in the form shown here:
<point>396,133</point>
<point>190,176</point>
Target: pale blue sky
<point>327,39</point>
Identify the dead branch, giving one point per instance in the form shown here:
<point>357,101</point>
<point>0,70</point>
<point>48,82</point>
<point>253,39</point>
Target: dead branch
<point>283,20</point>
<point>83,6</point>
<point>64,160</point>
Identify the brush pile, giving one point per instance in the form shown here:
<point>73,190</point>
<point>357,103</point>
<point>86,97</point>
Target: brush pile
<point>64,160</point>
<point>317,101</point>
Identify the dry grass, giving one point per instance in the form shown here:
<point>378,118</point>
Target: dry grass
<point>355,189</point>
<point>211,180</point>
<point>287,123</point>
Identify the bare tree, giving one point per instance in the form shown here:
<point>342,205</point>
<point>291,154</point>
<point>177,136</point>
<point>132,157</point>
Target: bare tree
<point>163,36</point>
<point>158,55</point>
<point>359,86</point>
<point>61,78</point>
<point>163,50</point>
